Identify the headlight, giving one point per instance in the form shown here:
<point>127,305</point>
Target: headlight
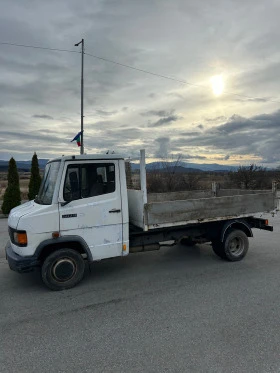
<point>20,238</point>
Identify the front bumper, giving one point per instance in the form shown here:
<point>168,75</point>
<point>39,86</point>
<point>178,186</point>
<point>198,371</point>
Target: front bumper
<point>20,263</point>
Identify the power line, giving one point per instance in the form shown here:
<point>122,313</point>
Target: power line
<point>140,70</point>
<point>178,80</point>
<point>37,47</point>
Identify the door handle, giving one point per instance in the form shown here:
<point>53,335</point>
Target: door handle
<point>115,210</point>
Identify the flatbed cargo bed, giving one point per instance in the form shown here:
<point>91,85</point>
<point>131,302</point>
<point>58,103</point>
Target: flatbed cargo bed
<point>182,208</point>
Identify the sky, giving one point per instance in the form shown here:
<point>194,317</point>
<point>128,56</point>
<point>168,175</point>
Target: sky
<point>126,110</point>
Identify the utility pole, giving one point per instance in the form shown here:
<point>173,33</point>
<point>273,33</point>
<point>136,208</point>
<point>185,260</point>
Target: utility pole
<point>82,96</point>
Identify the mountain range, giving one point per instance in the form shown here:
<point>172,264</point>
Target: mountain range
<point>185,167</point>
<point>24,166</point>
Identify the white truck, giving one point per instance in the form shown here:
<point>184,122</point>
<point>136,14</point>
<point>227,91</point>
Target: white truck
<point>84,213</point>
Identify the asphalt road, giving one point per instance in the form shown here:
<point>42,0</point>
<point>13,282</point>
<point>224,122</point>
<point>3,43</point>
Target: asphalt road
<point>180,309</point>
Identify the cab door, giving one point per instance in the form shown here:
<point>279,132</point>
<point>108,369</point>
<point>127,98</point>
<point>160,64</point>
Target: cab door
<point>92,207</point>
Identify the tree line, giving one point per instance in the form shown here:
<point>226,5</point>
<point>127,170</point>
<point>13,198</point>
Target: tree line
<point>12,197</point>
<point>171,177</point>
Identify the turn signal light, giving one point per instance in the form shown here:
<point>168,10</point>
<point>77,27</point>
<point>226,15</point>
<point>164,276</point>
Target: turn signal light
<point>266,222</point>
<point>55,234</point>
<point>20,238</point>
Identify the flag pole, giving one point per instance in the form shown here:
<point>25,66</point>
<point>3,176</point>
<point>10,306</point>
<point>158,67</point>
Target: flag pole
<point>82,95</point>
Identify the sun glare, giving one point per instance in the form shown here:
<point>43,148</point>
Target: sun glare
<point>217,82</point>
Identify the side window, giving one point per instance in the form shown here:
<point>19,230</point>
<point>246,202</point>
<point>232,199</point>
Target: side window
<point>101,178</point>
<point>111,179</point>
<point>71,190</point>
<point>89,180</point>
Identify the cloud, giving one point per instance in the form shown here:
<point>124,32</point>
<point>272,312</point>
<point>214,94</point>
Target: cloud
<point>190,133</point>
<point>272,117</point>
<point>37,81</point>
<point>42,116</point>
<point>129,133</point>
<point>189,156</point>
<point>256,99</point>
<point>216,119</point>
<point>158,113</point>
<point>163,144</point>
<point>164,121</point>
<point>259,122</point>
<point>105,113</point>
<point>166,117</point>
<point>257,135</point>
<point>40,137</point>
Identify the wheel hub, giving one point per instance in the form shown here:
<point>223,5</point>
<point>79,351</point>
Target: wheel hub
<point>236,246</point>
<point>64,269</point>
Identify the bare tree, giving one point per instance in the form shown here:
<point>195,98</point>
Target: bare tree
<point>191,181</point>
<point>170,168</point>
<point>276,175</point>
<point>155,181</point>
<point>250,177</point>
<point>170,176</point>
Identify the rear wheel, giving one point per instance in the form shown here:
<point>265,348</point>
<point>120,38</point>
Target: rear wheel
<point>63,269</point>
<point>234,247</point>
<point>217,247</point>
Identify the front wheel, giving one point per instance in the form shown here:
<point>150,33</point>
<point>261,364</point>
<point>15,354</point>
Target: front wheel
<point>63,269</point>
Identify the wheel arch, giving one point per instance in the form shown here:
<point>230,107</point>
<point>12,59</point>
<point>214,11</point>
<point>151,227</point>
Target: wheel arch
<point>237,224</point>
<point>77,243</point>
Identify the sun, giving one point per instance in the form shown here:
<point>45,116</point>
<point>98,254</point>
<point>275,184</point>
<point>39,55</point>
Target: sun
<point>217,82</point>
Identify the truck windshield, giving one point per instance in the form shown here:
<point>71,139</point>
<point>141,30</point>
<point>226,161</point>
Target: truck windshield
<point>46,190</point>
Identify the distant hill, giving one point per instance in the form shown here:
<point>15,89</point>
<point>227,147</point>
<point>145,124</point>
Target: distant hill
<point>23,166</point>
<point>178,169</point>
<point>187,167</point>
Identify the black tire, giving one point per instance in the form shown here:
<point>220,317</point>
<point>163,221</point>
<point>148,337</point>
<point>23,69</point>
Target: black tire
<point>63,269</point>
<point>236,245</point>
<point>217,247</point>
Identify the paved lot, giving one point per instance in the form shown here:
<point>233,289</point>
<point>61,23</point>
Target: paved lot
<point>177,310</point>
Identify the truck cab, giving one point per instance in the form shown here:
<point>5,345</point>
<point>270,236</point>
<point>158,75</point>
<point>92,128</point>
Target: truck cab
<point>81,207</point>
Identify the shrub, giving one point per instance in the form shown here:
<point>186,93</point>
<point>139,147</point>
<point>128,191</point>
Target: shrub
<point>250,177</point>
<point>11,197</point>
<point>35,178</point>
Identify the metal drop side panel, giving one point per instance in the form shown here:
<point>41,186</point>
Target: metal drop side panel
<point>170,213</point>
